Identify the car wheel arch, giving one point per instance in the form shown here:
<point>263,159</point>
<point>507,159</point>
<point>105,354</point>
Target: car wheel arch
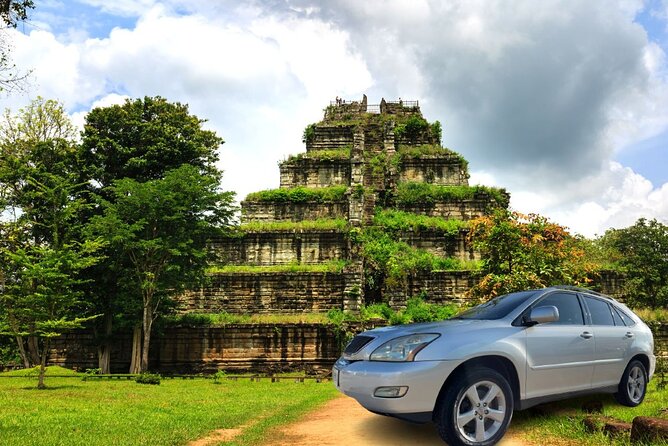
<point>501,364</point>
<point>642,358</point>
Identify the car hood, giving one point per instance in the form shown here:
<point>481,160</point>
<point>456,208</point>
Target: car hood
<point>425,327</point>
<point>446,329</point>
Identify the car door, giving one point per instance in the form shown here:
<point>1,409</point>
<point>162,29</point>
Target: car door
<point>612,343</point>
<point>559,354</point>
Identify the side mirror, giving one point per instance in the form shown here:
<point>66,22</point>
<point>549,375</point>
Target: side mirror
<point>543,315</point>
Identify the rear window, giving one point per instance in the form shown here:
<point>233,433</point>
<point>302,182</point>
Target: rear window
<point>600,311</point>
<point>496,308</point>
<point>625,317</point>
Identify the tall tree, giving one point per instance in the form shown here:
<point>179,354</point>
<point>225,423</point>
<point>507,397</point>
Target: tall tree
<point>140,140</point>
<point>525,251</point>
<point>41,252</point>
<point>162,226</point>
<point>40,206</point>
<point>644,260</point>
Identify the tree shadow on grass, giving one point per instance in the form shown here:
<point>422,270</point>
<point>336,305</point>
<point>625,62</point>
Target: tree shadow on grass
<point>49,388</point>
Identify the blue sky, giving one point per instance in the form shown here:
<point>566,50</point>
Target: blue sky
<point>560,101</point>
<point>649,157</point>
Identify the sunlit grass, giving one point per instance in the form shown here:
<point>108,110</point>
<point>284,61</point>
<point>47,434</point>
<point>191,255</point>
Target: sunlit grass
<point>561,422</point>
<point>74,412</point>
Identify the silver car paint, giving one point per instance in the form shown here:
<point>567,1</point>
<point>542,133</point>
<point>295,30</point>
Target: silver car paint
<point>548,359</point>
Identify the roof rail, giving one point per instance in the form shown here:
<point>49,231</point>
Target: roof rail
<point>577,288</point>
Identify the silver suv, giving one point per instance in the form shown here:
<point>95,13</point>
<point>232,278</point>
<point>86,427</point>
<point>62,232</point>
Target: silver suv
<point>467,374</point>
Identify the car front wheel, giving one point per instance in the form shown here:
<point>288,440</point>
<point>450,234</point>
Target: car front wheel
<point>633,386</point>
<point>476,409</point>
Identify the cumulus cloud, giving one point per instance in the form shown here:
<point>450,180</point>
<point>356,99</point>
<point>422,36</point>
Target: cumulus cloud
<point>257,81</point>
<point>538,97</point>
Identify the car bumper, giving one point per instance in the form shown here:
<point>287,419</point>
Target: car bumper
<point>652,366</point>
<point>424,380</point>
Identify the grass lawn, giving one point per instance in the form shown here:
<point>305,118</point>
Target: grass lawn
<point>560,423</point>
<point>100,412</point>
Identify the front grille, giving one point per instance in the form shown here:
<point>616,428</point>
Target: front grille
<point>356,344</point>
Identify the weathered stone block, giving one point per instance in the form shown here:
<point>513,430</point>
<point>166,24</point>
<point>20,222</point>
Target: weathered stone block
<point>272,211</point>
<point>330,138</point>
<point>648,430</point>
<point>267,292</point>
<point>460,210</point>
<point>282,247</point>
<point>441,244</point>
<point>439,170</point>
<point>315,173</point>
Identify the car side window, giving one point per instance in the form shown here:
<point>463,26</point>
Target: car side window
<point>618,319</point>
<point>570,312</point>
<point>600,311</point>
<point>625,317</point>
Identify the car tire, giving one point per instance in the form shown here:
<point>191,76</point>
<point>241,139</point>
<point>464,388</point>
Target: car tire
<point>633,386</point>
<point>475,409</point>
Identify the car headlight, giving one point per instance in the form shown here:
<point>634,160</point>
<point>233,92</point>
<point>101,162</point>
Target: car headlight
<point>402,349</point>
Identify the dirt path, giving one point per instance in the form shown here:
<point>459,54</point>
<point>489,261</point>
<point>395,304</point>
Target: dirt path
<point>343,421</point>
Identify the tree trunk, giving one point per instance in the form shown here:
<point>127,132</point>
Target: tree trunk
<point>42,364</point>
<point>33,349</point>
<point>147,323</point>
<point>104,349</point>
<point>135,363</point>
<point>22,352</point>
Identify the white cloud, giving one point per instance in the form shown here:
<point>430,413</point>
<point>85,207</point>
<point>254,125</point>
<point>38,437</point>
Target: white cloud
<point>614,198</point>
<point>537,97</point>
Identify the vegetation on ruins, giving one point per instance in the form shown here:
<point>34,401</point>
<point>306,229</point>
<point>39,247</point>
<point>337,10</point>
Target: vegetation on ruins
<point>332,266</point>
<point>224,318</point>
<point>42,253</point>
<point>309,133</point>
<point>321,224</point>
<point>346,323</point>
<point>389,261</point>
<point>525,251</point>
<point>412,193</point>
<point>413,127</point>
<point>397,222</point>
<point>300,195</point>
<point>405,152</point>
<point>319,155</point>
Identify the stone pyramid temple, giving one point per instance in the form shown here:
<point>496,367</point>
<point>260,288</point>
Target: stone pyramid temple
<point>379,167</point>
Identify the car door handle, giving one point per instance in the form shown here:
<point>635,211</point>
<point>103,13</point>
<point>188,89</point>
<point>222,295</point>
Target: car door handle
<point>586,335</point>
<point>629,334</point>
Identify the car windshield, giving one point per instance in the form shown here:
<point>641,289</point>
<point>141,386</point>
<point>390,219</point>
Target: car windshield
<point>496,308</point>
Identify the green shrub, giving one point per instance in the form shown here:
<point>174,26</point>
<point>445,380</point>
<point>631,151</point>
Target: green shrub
<point>338,224</point>
<point>437,130</point>
<point>399,221</point>
<point>309,133</point>
<point>411,193</point>
<point>376,311</point>
<point>148,378</point>
<point>420,311</point>
<point>394,260</point>
<point>412,128</point>
<point>320,155</point>
<point>333,266</point>
<point>417,310</point>
<point>219,376</point>
<point>299,195</point>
